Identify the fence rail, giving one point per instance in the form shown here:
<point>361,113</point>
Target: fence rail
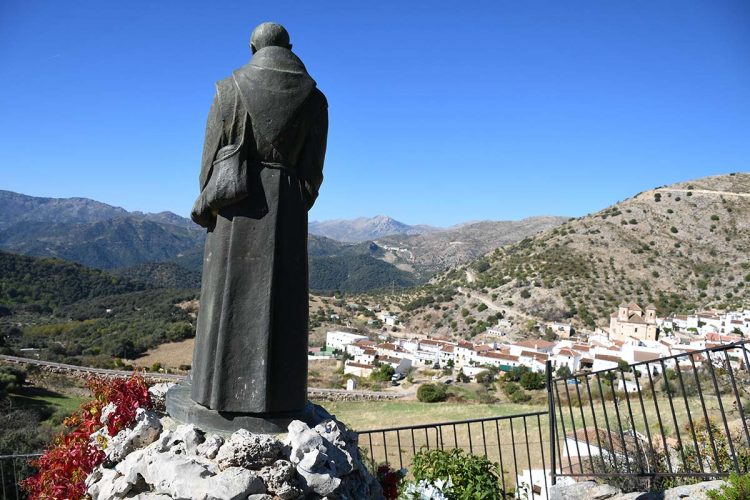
<point>517,442</point>
<point>13,469</point>
<point>678,418</point>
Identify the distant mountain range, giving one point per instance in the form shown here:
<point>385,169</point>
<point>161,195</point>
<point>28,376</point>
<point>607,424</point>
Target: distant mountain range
<point>166,249</point>
<point>365,228</point>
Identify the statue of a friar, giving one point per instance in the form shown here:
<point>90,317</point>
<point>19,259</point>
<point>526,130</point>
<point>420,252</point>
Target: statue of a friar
<point>261,170</point>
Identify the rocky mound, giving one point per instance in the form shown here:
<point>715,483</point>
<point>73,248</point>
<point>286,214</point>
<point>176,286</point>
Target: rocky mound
<point>149,461</point>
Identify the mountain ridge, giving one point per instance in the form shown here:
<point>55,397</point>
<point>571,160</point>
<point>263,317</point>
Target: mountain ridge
<point>362,229</point>
<point>682,247</point>
<point>102,236</point>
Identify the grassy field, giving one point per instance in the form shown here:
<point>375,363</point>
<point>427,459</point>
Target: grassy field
<point>523,443</point>
<point>366,415</point>
<point>61,403</point>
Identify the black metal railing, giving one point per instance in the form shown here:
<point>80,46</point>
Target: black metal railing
<point>655,423</point>
<point>518,443</point>
<point>648,425</point>
<point>14,469</point>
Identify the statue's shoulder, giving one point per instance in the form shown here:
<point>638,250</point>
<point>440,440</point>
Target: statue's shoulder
<point>318,98</point>
<point>226,91</point>
<point>226,96</point>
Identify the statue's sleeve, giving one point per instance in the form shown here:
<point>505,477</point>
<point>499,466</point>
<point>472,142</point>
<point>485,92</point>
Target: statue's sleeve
<point>314,152</point>
<point>212,142</point>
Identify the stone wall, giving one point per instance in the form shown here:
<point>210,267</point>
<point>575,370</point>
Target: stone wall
<point>589,490</point>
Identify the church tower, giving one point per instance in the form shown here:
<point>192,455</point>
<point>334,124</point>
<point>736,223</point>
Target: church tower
<point>622,313</point>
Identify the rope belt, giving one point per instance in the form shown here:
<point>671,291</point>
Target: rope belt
<point>279,166</point>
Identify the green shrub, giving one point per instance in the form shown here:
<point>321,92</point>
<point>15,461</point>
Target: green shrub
<point>432,393</point>
<point>519,397</point>
<point>473,476</point>
<point>673,229</point>
<point>382,373</point>
<point>11,379</point>
<point>737,488</point>
<point>563,371</point>
<point>511,388</point>
<point>532,381</point>
<point>486,378</point>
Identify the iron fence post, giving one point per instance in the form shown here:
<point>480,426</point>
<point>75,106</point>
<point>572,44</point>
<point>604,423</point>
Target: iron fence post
<point>552,423</point>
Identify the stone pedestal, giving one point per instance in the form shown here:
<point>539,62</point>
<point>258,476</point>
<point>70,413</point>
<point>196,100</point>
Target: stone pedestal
<point>182,409</point>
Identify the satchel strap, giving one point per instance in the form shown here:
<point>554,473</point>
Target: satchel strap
<point>243,121</point>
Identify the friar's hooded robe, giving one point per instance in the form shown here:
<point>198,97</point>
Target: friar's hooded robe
<point>251,343</point>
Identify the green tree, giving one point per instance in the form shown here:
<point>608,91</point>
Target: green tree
<point>486,378</point>
<point>563,371</point>
<point>532,381</point>
<point>382,372</point>
<point>432,393</point>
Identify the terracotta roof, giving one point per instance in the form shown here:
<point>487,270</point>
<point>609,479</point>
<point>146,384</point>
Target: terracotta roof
<point>639,356</point>
<point>569,352</point>
<point>358,365</point>
<point>387,346</point>
<point>447,348</point>
<point>391,360</point>
<point>651,307</point>
<point>716,337</point>
<point>634,307</point>
<point>535,344</point>
<point>607,357</point>
<point>499,355</point>
<point>638,320</point>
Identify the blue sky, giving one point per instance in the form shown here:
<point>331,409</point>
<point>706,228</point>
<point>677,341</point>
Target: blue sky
<point>440,112</point>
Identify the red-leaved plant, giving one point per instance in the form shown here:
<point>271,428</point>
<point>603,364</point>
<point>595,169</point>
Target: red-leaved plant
<point>389,479</point>
<point>64,466</point>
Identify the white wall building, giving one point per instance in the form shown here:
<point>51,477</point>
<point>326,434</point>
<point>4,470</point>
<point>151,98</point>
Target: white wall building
<point>339,340</point>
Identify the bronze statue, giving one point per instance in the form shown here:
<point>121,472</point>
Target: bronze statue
<point>261,170</point>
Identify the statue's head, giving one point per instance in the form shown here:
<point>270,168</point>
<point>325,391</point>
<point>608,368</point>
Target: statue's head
<point>269,35</point>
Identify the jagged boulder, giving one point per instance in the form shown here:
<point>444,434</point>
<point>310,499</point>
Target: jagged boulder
<point>281,479</point>
<point>146,430</point>
<point>328,462</point>
<point>252,451</point>
<point>185,463</point>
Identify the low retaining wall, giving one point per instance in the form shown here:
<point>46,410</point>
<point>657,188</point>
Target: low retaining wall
<point>82,372</point>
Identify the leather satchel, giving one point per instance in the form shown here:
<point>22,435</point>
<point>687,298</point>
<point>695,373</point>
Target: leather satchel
<point>227,183</point>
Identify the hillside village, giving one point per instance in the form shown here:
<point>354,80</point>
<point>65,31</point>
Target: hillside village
<point>635,335</point>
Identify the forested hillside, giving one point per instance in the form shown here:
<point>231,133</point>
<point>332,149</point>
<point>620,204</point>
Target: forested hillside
<point>49,283</point>
<point>77,315</point>
<point>355,274</point>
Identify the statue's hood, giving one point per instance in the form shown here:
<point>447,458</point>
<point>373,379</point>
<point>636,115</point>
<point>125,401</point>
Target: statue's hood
<point>273,86</point>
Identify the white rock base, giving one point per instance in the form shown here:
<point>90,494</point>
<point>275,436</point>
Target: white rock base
<point>184,463</point>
